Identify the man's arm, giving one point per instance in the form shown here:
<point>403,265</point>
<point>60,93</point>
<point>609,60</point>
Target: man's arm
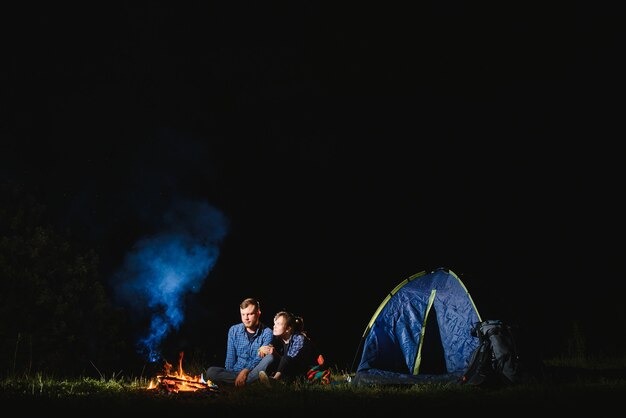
<point>265,339</point>
<point>242,377</point>
<point>231,353</point>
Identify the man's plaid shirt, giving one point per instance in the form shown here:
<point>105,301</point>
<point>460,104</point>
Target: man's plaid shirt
<point>243,352</point>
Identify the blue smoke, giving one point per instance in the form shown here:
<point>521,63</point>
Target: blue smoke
<point>163,268</point>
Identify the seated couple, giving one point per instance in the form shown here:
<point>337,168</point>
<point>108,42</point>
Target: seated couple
<point>254,352</point>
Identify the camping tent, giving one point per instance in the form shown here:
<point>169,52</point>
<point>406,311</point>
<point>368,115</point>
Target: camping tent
<point>396,347</point>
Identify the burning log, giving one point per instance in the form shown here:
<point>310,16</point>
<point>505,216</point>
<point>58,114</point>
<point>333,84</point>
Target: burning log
<point>180,381</point>
<point>175,384</point>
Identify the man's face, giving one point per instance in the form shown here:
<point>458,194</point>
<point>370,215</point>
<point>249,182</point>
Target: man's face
<point>250,317</point>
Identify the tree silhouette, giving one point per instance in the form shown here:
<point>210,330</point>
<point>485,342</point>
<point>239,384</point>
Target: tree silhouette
<point>55,316</point>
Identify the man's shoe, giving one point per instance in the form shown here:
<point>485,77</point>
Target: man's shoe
<point>264,379</point>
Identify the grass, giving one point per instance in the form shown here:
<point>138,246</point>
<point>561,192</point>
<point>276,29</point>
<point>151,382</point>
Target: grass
<point>570,389</point>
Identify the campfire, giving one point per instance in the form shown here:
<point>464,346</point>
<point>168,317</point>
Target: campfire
<point>179,381</point>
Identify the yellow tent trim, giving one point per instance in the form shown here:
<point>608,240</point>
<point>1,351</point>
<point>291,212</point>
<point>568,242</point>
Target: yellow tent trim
<point>384,302</point>
<point>418,360</point>
<point>468,294</point>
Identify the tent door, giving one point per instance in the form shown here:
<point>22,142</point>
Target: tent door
<point>430,354</point>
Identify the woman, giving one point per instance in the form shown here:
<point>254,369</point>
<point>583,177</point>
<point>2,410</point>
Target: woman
<point>292,351</point>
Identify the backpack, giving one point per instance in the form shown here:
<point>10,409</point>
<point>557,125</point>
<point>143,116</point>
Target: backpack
<point>498,359</point>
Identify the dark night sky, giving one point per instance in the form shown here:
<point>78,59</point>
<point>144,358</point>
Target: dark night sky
<point>348,149</point>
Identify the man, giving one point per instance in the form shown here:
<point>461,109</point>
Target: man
<point>243,362</point>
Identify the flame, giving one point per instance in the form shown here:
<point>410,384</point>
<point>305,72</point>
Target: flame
<point>179,381</point>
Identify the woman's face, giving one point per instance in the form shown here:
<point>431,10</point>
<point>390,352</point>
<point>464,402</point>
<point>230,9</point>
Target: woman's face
<point>280,326</point>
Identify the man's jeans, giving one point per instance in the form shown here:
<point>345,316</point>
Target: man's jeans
<point>219,375</point>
